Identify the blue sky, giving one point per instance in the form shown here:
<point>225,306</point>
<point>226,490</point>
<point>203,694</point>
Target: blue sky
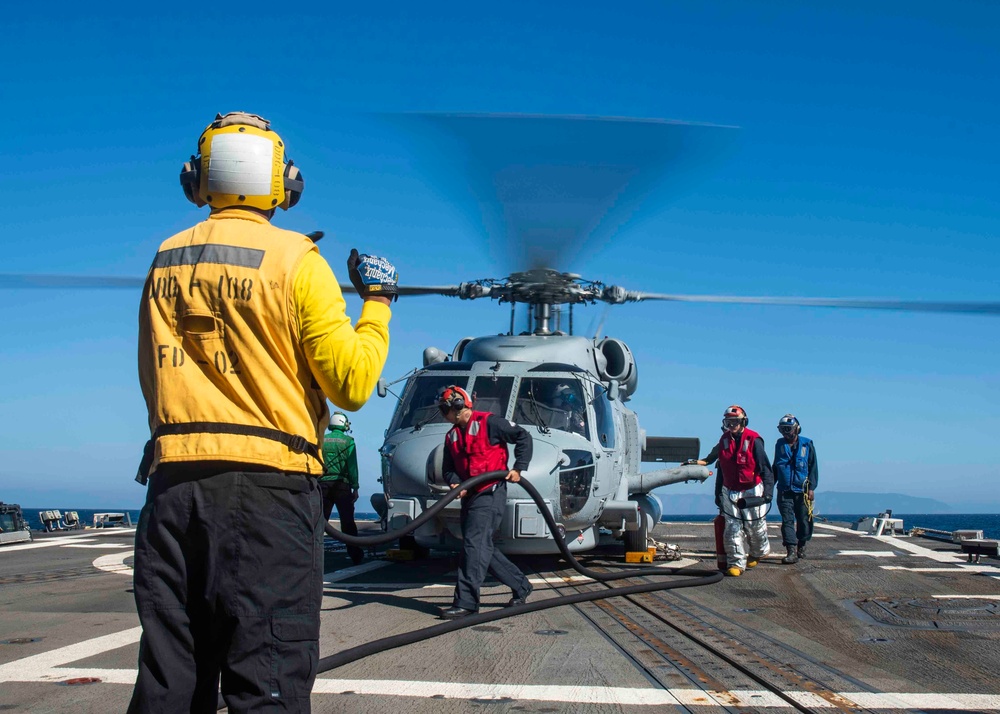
<point>866,166</point>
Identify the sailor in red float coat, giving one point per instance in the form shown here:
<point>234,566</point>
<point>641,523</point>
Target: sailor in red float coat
<point>471,452</point>
<point>743,472</point>
<point>477,444</point>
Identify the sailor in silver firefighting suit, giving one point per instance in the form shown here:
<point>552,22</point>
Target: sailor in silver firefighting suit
<point>744,487</point>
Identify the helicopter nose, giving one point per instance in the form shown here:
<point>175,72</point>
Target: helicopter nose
<point>408,468</point>
<point>543,471</point>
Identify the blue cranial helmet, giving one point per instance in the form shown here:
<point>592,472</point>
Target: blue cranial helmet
<point>789,424</point>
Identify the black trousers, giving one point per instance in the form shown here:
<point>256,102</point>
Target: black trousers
<point>228,580</point>
<point>339,494</point>
<point>481,517</point>
<point>794,518</point>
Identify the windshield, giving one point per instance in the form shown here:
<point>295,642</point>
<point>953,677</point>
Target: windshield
<point>552,403</point>
<point>492,395</point>
<point>419,405</point>
<point>605,417</point>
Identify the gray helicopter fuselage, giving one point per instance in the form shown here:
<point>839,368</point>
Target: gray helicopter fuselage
<point>587,443</point>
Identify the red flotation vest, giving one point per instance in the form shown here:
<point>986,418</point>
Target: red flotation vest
<point>471,450</point>
<point>736,459</point>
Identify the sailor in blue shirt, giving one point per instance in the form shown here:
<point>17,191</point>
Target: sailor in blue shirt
<point>796,475</point>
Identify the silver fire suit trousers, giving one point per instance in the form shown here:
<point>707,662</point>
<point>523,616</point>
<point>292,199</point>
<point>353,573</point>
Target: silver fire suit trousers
<point>746,528</point>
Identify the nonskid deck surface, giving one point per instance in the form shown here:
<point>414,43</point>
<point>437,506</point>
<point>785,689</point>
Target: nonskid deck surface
<point>863,624</point>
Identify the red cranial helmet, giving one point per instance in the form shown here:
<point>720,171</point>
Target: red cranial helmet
<point>454,397</point>
<point>735,412</point>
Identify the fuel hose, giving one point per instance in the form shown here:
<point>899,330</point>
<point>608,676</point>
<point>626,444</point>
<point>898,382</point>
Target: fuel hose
<point>681,578</point>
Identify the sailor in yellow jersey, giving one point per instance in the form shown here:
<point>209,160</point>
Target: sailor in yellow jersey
<point>243,336</point>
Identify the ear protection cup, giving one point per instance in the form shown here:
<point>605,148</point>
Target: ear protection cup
<point>191,180</point>
<point>294,185</point>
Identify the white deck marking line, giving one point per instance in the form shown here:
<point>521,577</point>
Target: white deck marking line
<point>968,597</point>
<point>960,567</point>
<point>634,696</point>
<point>114,563</point>
<point>872,553</point>
<point>63,541</point>
<point>48,667</point>
<point>917,549</point>
<point>839,529</point>
<point>344,573</point>
<point>959,560</point>
<point>44,667</point>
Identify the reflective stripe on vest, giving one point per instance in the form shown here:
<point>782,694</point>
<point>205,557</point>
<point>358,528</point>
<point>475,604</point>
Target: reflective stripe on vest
<point>738,462</point>
<point>471,451</point>
<point>218,348</point>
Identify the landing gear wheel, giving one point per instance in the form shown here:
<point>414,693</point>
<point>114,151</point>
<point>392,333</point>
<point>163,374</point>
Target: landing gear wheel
<point>635,541</point>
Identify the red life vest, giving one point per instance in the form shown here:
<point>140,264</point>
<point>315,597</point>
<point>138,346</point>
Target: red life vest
<point>737,461</point>
<point>471,450</point>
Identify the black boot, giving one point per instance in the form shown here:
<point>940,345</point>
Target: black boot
<point>802,550</point>
<point>791,558</point>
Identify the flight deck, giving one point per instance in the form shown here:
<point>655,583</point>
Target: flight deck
<point>863,624</point>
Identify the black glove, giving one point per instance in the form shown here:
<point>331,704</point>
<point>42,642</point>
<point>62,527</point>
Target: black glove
<point>372,276</point>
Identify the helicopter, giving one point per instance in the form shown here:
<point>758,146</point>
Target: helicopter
<point>547,187</point>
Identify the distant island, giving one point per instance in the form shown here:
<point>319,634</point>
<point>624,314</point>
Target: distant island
<point>833,502</point>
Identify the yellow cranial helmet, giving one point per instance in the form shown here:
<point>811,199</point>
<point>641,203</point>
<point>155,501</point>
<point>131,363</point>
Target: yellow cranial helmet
<point>241,162</point>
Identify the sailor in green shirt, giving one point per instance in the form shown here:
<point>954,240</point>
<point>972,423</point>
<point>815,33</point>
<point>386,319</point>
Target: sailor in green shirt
<point>339,482</point>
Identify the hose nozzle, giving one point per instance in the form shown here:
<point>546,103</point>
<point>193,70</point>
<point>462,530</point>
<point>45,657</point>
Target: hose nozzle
<point>751,502</point>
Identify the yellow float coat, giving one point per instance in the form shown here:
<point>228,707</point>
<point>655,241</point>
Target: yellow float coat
<point>242,323</point>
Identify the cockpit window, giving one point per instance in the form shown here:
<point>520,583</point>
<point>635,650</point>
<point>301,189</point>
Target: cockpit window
<point>419,405</point>
<point>492,395</point>
<point>554,403</point>
<point>605,417</point>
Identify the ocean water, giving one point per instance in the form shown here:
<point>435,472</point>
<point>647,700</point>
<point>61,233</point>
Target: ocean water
<point>988,523</point>
<point>87,515</point>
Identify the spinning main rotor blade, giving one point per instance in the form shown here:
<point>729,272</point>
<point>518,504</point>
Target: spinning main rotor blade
<point>22,281</point>
<point>981,308</point>
<point>449,290</point>
<point>103,282</point>
<point>74,282</point>
<point>27,280</point>
<point>547,187</point>
<point>415,290</point>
